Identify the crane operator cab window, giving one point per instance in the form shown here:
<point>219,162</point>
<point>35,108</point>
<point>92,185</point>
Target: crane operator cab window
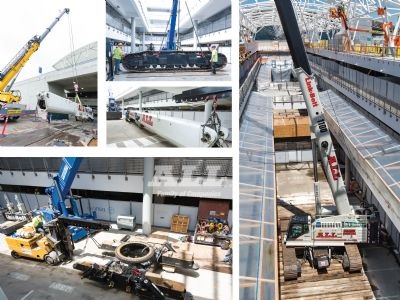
<point>298,226</point>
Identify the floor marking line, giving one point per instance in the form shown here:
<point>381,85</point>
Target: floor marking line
<point>27,295</point>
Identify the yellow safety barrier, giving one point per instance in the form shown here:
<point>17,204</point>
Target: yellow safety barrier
<point>364,49</point>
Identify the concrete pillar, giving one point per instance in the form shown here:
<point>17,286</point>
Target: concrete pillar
<point>147,195</point>
<point>196,23</point>
<point>143,42</point>
<point>347,173</point>
<point>140,100</point>
<point>133,34</point>
<point>208,109</point>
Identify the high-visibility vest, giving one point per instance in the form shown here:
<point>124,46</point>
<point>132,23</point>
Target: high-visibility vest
<point>37,220</point>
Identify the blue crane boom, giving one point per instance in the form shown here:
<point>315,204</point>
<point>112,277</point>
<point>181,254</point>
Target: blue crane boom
<point>171,43</point>
<point>59,191</point>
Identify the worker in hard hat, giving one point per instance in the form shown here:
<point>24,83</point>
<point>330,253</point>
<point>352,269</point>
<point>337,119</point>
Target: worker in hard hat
<point>214,58</point>
<point>38,222</point>
<point>118,54</point>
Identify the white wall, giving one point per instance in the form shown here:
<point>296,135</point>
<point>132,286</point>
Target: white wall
<point>30,87</point>
<point>198,187</point>
<point>108,210</point>
<point>283,157</point>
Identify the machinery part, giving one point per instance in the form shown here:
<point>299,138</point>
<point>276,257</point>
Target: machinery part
<point>170,58</point>
<point>126,222</point>
<point>133,280</point>
<point>290,264</point>
<point>180,132</point>
<point>51,258</point>
<point>85,223</point>
<point>60,191</point>
<point>53,103</point>
<point>16,216</point>
<point>9,227</point>
<point>125,238</point>
<point>108,253</point>
<point>353,258</point>
<point>181,61</point>
<point>134,252</point>
<point>203,93</point>
<point>320,258</point>
<point>54,247</point>
<point>15,254</point>
<point>318,125</point>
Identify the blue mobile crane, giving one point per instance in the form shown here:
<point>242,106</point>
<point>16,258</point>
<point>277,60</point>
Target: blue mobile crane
<point>169,57</point>
<point>60,191</point>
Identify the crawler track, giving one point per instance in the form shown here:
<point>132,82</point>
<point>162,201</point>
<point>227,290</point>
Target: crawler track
<point>333,284</point>
<point>167,61</point>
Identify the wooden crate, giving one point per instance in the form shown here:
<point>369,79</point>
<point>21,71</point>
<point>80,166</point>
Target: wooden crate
<point>179,223</point>
<point>302,126</point>
<point>284,127</point>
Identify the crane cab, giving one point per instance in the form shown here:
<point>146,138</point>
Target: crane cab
<point>299,228</point>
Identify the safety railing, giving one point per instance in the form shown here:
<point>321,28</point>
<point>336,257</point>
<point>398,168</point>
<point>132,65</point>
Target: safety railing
<point>99,165</point>
<point>246,65</point>
<point>378,51</point>
<point>358,91</point>
<point>248,74</point>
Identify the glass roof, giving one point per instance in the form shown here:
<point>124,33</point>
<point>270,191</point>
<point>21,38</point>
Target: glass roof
<point>381,150</point>
<point>313,15</point>
<point>257,199</point>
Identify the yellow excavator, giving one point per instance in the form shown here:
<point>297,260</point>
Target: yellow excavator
<point>10,72</point>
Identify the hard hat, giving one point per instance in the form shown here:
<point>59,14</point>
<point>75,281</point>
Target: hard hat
<point>119,44</point>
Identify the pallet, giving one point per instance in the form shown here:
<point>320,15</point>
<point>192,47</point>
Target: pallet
<point>180,224</point>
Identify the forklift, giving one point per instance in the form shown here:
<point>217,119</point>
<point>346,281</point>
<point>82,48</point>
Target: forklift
<point>54,247</point>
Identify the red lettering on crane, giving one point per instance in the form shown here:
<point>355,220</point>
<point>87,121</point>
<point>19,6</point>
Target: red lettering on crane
<point>349,232</point>
<point>313,96</point>
<point>326,235</point>
<point>147,119</point>
<point>333,165</point>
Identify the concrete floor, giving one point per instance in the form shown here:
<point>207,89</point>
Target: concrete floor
<point>28,280</point>
<point>383,271</point>
<point>123,134</point>
<point>63,282</point>
<point>29,131</point>
<point>295,184</point>
<point>222,75</point>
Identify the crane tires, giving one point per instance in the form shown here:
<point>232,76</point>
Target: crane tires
<point>15,254</point>
<point>134,252</point>
<point>51,258</point>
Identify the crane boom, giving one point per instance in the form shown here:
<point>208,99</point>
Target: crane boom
<point>12,69</point>
<point>63,182</point>
<point>171,43</point>
<point>310,93</point>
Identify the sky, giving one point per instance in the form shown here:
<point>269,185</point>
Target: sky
<point>22,19</point>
